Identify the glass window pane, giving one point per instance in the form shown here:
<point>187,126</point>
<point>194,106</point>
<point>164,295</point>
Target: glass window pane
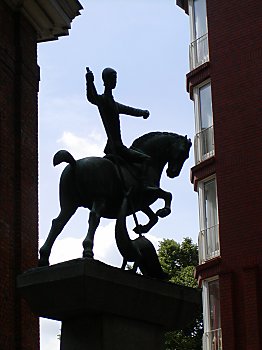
<point>205,121</point>
<point>210,204</point>
<point>200,18</point>
<point>211,220</point>
<point>206,116</point>
<point>214,305</point>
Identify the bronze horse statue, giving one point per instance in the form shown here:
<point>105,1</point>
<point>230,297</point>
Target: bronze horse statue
<point>97,183</point>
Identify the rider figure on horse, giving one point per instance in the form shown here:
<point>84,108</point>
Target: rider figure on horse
<point>109,111</point>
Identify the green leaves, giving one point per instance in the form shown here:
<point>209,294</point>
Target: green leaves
<point>179,261</point>
<point>185,277</point>
<point>175,257</point>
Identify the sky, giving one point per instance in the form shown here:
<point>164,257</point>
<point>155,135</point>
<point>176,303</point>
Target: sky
<point>146,42</point>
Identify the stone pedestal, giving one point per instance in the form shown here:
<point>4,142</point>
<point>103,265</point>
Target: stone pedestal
<point>104,308</point>
<point>109,332</point>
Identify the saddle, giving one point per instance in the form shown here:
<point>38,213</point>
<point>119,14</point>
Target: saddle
<point>122,166</point>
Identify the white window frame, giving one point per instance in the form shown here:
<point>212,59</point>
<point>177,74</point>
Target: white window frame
<point>197,43</point>
<point>204,255</point>
<point>206,316</point>
<point>202,134</point>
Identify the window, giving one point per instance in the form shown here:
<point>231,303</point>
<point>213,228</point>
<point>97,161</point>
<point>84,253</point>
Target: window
<point>200,18</point>
<point>199,40</point>
<point>209,247</point>
<point>212,338</point>
<point>204,140</point>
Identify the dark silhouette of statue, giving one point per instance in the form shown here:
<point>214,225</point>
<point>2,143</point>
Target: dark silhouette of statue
<point>111,186</point>
<point>109,111</point>
<point>140,250</point>
<point>95,183</point>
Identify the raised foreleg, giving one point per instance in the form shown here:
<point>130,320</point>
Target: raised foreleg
<point>166,196</point>
<point>153,219</point>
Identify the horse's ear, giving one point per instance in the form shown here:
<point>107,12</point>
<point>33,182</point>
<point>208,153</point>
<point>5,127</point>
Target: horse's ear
<point>189,140</point>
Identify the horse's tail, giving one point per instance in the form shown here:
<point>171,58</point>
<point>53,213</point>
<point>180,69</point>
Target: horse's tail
<point>63,156</point>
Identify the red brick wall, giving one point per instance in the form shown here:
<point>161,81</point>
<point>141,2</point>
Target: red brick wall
<point>235,33</point>
<point>235,47</point>
<point>19,78</point>
<point>235,69</point>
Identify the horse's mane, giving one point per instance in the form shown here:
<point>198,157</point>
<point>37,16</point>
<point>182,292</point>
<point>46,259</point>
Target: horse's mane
<point>140,141</point>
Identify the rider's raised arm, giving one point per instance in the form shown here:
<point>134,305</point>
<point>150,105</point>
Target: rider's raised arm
<point>91,92</point>
<point>135,112</point>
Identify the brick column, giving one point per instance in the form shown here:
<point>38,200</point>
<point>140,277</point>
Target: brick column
<point>19,77</point>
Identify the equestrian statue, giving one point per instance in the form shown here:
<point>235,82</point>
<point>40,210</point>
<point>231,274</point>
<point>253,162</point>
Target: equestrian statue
<point>123,182</point>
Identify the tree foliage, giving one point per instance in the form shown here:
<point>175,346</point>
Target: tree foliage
<point>179,261</point>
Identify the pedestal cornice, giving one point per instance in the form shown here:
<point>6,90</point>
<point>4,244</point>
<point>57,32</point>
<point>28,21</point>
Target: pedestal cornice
<point>86,286</point>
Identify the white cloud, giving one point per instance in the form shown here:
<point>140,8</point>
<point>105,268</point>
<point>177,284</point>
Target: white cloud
<point>65,249</point>
<point>81,147</point>
<point>71,248</point>
<point>49,334</point>
<point>105,248</point>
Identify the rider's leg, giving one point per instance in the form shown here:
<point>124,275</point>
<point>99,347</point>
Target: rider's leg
<point>135,156</point>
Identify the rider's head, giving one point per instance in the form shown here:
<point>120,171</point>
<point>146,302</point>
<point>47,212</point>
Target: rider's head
<point>109,77</point>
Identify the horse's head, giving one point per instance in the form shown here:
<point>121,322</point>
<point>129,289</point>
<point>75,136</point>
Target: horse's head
<point>178,152</point>
<point>165,147</point>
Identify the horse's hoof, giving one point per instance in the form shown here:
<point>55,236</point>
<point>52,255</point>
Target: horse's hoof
<point>162,213</point>
<point>43,262</point>
<point>140,229</point>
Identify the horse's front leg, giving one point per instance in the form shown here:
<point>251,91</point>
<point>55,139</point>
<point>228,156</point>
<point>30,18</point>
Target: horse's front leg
<point>166,196</point>
<point>93,222</point>
<point>153,219</point>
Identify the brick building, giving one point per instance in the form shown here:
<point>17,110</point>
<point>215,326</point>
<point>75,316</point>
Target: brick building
<point>225,83</point>
<point>23,25</point>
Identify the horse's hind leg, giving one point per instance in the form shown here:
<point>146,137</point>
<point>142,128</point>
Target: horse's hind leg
<point>93,222</point>
<point>57,226</point>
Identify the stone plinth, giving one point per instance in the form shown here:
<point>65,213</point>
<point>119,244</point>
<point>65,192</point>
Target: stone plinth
<point>104,308</point>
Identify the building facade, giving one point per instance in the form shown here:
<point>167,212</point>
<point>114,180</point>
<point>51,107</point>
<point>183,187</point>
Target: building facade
<point>225,84</point>
<point>23,25</point>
